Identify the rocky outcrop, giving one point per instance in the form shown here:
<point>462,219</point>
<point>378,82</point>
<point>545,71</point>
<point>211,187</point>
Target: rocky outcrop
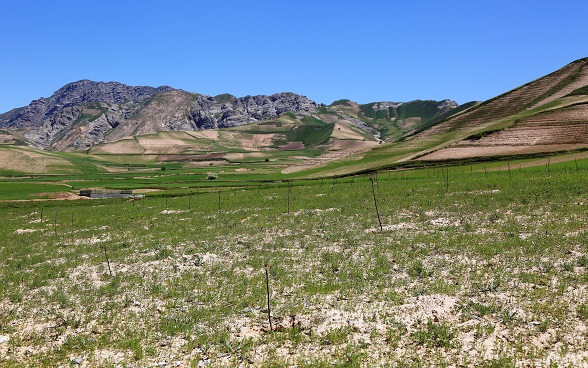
<point>85,113</point>
<point>53,127</point>
<point>209,114</point>
<point>77,94</point>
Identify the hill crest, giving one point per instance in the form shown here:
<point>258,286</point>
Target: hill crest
<point>85,113</point>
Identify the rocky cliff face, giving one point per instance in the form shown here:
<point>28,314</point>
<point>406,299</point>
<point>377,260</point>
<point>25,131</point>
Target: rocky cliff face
<point>85,113</point>
<point>77,94</point>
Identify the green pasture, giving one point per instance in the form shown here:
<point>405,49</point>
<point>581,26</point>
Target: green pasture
<point>21,190</point>
<point>176,175</point>
<point>179,276</point>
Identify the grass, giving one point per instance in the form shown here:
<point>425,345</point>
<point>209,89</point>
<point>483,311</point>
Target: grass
<point>579,91</point>
<point>390,121</point>
<point>434,335</point>
<point>16,190</point>
<point>311,135</point>
<point>497,262</point>
<point>224,98</point>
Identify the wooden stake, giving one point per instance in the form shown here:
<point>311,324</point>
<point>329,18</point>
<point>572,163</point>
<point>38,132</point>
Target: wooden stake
<point>269,314</point>
<point>55,222</point>
<point>376,205</point>
<point>72,227</point>
<point>289,189</point>
<point>219,200</point>
<point>107,260</point>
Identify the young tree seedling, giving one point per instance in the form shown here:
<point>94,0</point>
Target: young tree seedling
<point>289,190</point>
<point>72,226</point>
<point>269,314</point>
<point>376,204</point>
<point>103,246</point>
<point>55,222</point>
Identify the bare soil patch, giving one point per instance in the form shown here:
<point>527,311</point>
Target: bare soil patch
<point>6,139</point>
<point>352,144</point>
<point>158,145</point>
<point>323,159</point>
<point>256,142</point>
<point>292,146</point>
<point>205,134</point>
<point>124,146</point>
<point>453,153</point>
<point>235,156</point>
<point>545,161</point>
<point>206,163</point>
<point>15,159</point>
<point>210,156</point>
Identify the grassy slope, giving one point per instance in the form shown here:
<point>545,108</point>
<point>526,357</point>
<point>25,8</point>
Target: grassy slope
<point>492,115</point>
<point>395,122</point>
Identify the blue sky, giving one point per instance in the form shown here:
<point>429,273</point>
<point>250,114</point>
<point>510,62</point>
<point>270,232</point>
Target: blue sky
<point>366,51</point>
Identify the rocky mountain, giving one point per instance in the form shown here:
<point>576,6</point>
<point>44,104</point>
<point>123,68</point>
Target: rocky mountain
<point>86,112</point>
<point>75,95</point>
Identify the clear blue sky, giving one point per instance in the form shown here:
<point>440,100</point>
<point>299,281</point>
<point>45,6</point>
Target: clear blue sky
<point>369,50</point>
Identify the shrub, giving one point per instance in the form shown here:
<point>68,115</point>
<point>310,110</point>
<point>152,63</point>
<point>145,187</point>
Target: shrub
<point>435,335</point>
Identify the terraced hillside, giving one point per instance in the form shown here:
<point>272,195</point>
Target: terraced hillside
<point>530,95</point>
<point>549,114</point>
<point>563,126</point>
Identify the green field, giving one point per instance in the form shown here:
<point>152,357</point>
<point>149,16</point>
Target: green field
<point>472,266</point>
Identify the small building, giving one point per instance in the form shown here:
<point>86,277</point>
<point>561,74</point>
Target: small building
<point>105,193</point>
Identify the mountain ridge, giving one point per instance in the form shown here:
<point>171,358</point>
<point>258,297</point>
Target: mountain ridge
<point>291,133</point>
<point>547,114</point>
<point>84,113</point>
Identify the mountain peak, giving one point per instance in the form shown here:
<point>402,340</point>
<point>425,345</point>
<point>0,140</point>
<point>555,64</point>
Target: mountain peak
<point>86,112</point>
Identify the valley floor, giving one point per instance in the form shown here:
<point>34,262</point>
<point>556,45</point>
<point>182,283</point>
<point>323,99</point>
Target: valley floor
<point>465,269</point>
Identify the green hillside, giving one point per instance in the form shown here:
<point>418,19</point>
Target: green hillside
<point>394,121</point>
